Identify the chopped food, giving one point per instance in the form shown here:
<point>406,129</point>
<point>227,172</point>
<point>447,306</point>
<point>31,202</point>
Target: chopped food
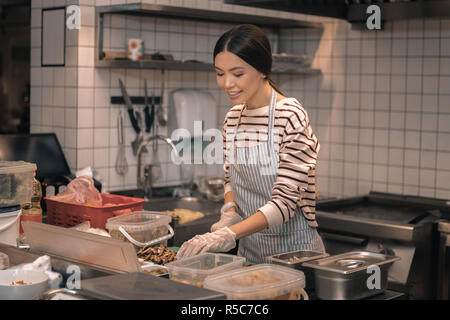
<point>157,254</point>
<point>185,215</point>
<point>156,272</point>
<point>19,283</point>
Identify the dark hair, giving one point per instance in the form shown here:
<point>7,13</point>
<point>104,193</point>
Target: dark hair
<point>251,44</point>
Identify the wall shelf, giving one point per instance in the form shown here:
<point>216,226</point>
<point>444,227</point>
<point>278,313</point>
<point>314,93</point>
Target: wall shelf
<point>171,12</point>
<point>355,13</point>
<point>176,65</point>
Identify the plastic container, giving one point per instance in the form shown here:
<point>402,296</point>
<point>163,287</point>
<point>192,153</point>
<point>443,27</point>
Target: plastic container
<point>195,269</point>
<point>16,182</point>
<point>141,228</point>
<point>260,282</point>
<point>72,214</point>
<point>9,225</point>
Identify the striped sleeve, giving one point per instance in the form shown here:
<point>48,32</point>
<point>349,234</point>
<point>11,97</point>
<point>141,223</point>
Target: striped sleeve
<point>295,183</point>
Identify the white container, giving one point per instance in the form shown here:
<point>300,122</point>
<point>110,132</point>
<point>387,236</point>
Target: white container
<point>259,282</point>
<point>16,182</point>
<point>10,225</point>
<point>135,49</point>
<point>141,228</point>
<point>195,269</point>
<point>35,283</point>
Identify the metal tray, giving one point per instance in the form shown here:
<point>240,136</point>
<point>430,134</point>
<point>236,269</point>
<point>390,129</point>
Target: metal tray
<point>345,276</point>
<point>295,260</point>
<point>351,262</point>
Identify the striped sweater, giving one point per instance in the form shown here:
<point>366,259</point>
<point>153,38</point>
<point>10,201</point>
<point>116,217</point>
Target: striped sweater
<point>297,148</point>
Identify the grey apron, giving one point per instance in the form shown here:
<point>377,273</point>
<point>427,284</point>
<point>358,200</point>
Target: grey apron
<point>253,172</point>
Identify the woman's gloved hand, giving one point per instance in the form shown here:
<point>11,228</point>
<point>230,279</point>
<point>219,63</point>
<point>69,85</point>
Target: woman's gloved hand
<point>221,240</point>
<point>227,218</point>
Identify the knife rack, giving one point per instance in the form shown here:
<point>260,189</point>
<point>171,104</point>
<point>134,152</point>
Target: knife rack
<point>136,100</point>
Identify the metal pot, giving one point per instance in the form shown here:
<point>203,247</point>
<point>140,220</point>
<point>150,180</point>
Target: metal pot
<point>351,275</point>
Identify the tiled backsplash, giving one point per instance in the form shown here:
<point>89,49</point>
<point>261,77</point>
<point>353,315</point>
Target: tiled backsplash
<point>380,108</point>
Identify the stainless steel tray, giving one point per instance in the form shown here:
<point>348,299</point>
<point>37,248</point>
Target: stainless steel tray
<point>295,258</point>
<point>351,262</point>
<point>345,276</point>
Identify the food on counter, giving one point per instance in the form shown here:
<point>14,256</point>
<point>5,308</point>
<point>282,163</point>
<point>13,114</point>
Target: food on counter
<point>19,283</point>
<point>185,215</point>
<point>156,272</point>
<point>157,254</point>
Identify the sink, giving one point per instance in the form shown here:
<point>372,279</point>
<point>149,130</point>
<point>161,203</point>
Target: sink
<point>186,231</point>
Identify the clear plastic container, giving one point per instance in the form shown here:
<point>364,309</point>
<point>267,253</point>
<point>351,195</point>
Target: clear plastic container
<point>141,227</point>
<point>16,182</point>
<point>195,269</point>
<point>260,282</point>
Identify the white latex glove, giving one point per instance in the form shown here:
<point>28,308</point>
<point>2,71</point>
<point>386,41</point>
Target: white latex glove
<point>227,218</point>
<point>221,240</point>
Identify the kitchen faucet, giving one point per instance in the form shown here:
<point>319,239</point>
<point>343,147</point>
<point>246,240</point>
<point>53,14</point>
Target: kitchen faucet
<point>147,182</point>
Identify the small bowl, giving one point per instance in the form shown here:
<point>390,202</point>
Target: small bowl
<point>35,283</point>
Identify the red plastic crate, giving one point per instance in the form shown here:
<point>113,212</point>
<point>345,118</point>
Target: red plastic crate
<point>71,214</point>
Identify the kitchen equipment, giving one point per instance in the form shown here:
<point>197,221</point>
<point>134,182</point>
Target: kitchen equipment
<point>195,269</point>
<point>4,261</point>
<point>72,214</point>
<point>160,112</point>
<point>133,118</point>
<point>22,284</point>
<point>16,182</point>
<point>392,224</point>
<point>121,161</point>
<point>10,224</point>
<point>189,106</point>
<point>149,116</point>
<point>259,282</point>
<point>141,286</point>
<point>443,265</point>
<point>296,259</point>
<point>347,276</point>
<point>141,228</point>
<point>99,252</point>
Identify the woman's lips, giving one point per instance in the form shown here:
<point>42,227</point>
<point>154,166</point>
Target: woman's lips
<point>234,95</point>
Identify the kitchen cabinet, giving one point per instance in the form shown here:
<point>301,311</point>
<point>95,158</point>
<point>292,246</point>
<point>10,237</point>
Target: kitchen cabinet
<point>354,11</point>
<point>171,12</point>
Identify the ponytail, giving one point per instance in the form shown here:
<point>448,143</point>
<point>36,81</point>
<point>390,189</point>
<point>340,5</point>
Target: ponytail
<point>274,86</point>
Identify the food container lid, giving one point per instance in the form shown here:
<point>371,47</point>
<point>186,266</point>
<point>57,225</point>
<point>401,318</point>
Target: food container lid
<point>9,167</point>
<point>205,263</point>
<point>138,221</point>
<point>10,210</point>
<point>262,279</point>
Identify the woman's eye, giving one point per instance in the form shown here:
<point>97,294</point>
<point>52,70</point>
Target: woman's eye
<point>219,74</point>
<point>238,75</point>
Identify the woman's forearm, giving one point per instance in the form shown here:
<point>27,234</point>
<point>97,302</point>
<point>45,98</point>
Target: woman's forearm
<point>252,224</point>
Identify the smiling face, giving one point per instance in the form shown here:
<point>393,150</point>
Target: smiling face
<point>238,79</point>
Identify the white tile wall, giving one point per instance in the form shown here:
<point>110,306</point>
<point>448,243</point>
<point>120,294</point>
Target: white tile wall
<point>380,109</point>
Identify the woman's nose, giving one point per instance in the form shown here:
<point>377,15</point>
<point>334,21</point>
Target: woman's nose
<point>229,83</point>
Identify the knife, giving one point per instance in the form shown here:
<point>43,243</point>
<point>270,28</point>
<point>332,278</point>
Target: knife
<point>129,105</point>
<point>148,116</point>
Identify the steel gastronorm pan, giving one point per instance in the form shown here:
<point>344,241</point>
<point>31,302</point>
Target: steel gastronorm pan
<point>345,276</point>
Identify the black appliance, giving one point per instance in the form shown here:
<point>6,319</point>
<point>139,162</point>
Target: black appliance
<point>400,225</point>
<point>45,151</point>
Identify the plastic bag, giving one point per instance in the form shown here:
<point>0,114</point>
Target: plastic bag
<point>86,227</point>
<point>80,190</point>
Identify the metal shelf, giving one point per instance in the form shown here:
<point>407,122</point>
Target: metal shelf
<point>204,15</point>
<point>176,65</point>
<point>354,13</point>
<point>400,10</point>
<point>162,11</point>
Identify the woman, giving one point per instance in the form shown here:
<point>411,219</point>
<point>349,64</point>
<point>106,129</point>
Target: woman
<point>270,157</point>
